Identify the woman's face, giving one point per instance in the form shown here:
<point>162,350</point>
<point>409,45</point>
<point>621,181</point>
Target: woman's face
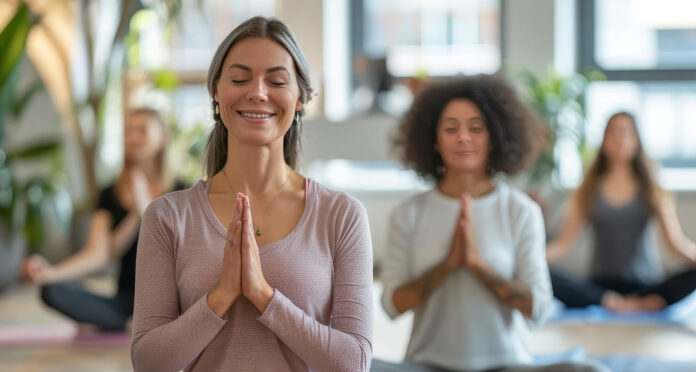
<point>620,140</point>
<point>257,91</point>
<point>462,138</point>
<point>143,138</point>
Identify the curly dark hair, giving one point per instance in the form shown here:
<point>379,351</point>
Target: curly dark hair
<point>511,125</point>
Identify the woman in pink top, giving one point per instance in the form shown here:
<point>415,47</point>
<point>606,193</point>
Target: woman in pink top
<point>256,268</point>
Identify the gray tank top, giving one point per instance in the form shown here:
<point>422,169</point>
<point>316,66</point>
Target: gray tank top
<point>622,249</point>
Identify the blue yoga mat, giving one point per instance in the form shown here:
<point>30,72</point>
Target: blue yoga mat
<point>622,363</point>
<point>680,313</point>
<point>618,362</point>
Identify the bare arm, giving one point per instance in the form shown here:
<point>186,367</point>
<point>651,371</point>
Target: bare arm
<point>93,256</point>
<point>530,285</point>
<point>672,232</point>
<point>572,227</point>
<point>124,234</point>
<point>515,294</point>
<point>416,292</point>
<point>139,197</point>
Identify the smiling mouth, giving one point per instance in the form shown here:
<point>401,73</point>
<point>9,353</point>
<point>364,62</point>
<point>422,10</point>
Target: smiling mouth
<point>253,115</point>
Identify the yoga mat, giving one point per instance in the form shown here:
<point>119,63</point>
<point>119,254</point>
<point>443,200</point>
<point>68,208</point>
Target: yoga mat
<point>622,363</point>
<point>59,335</point>
<point>680,313</point>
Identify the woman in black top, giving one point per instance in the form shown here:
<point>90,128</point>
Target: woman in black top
<point>113,232</point>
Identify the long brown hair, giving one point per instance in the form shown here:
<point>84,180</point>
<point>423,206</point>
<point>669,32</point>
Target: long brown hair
<point>267,28</point>
<point>163,170</point>
<point>643,169</point>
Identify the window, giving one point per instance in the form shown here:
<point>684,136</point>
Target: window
<point>203,25</point>
<point>395,42</point>
<point>666,116</point>
<point>643,35</point>
<point>647,50</point>
<point>437,37</point>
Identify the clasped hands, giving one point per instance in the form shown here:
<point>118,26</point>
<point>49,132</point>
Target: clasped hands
<point>463,251</point>
<point>241,273</point>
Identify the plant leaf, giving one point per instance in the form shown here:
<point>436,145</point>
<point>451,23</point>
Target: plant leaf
<point>20,103</point>
<point>13,40</point>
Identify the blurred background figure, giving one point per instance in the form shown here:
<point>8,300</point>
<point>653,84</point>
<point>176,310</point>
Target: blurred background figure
<point>619,196</point>
<point>113,234</point>
<point>468,256</point>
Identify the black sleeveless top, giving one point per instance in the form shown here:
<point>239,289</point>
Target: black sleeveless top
<point>109,202</point>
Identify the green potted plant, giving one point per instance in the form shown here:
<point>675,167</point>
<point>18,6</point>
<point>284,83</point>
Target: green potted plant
<point>23,200</point>
<point>560,102</point>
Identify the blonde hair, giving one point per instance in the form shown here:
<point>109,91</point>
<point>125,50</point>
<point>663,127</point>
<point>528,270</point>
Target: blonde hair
<point>163,170</point>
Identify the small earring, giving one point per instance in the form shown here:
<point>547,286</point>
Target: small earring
<point>441,170</point>
<point>297,117</point>
<point>217,109</point>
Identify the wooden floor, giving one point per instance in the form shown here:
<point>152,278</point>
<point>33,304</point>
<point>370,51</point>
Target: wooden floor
<point>20,305</point>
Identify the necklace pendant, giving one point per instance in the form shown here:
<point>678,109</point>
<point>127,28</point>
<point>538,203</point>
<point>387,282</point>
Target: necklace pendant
<point>258,232</point>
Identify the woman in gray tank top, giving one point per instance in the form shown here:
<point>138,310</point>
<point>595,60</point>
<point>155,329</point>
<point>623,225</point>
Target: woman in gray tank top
<point>617,198</point>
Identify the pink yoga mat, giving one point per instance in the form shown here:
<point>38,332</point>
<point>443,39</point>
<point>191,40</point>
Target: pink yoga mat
<point>59,335</point>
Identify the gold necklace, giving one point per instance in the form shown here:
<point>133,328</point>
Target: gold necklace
<point>268,208</point>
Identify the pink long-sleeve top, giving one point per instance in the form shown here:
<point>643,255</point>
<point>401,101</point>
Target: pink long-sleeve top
<point>320,316</point>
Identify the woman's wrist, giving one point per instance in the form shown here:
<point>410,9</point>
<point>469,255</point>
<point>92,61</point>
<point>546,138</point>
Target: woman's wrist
<point>478,268</point>
<point>263,298</point>
<point>220,300</point>
<point>47,275</point>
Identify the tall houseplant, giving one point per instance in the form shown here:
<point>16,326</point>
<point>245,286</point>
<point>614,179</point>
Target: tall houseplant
<point>23,201</point>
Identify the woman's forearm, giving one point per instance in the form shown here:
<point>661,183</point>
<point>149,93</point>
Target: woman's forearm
<point>342,345</point>
<point>416,292</point>
<point>125,233</point>
<point>82,263</point>
<point>162,342</point>
<point>516,295</point>
<point>93,256</point>
<point>687,250</point>
<point>555,251</point>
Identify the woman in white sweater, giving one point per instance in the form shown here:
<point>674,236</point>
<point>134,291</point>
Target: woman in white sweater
<point>468,256</point>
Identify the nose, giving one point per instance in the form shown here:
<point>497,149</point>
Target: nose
<point>464,135</point>
<point>258,91</point>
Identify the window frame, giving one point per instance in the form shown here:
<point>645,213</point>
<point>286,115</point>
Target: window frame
<point>588,58</point>
<point>357,27</point>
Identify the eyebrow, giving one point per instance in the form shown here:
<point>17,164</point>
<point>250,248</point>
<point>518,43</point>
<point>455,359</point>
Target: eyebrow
<point>247,68</point>
<point>469,119</point>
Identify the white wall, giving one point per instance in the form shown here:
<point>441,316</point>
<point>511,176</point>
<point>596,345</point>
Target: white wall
<point>365,138</point>
<point>305,18</point>
<point>528,28</point>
